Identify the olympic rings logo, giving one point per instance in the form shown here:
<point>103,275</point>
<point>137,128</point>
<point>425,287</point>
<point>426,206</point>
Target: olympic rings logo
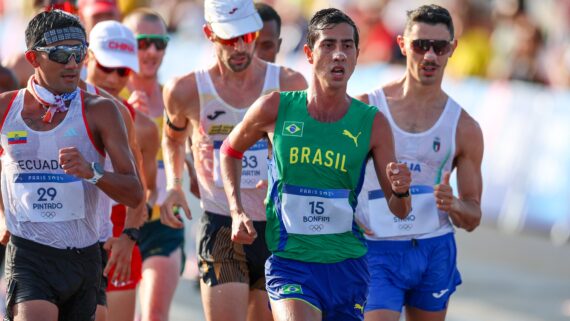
<point>316,227</point>
<point>48,214</point>
<point>405,227</point>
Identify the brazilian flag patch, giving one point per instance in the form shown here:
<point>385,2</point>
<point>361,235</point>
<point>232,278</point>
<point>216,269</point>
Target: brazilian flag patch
<point>293,128</point>
<point>292,289</point>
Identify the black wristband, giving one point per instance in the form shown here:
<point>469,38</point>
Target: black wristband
<point>401,195</point>
<point>174,127</point>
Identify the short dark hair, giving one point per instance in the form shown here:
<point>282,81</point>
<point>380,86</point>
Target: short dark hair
<point>325,19</point>
<point>431,14</point>
<point>267,13</point>
<point>46,21</point>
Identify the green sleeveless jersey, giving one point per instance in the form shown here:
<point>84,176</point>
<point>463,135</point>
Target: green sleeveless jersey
<point>315,176</point>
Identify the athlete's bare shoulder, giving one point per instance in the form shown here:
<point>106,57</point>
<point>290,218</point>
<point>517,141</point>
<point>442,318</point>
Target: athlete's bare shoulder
<point>181,95</point>
<point>6,99</point>
<point>469,135</point>
<point>145,124</point>
<point>291,80</point>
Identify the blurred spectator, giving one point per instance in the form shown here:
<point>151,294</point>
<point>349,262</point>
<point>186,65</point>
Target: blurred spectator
<point>473,30</point>
<point>93,11</point>
<point>518,45</point>
<point>8,80</point>
<point>269,41</point>
<point>377,41</point>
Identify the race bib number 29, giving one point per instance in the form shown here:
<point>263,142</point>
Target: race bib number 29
<point>48,197</point>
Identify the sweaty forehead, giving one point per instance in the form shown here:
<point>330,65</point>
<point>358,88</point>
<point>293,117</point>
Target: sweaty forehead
<point>339,32</point>
<point>420,30</point>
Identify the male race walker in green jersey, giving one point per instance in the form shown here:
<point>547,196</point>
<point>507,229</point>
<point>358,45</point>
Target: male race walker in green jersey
<point>321,139</point>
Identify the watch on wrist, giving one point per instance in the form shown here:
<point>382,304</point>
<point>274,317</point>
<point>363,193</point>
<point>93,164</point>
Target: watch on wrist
<point>132,233</point>
<point>401,195</point>
<point>97,173</point>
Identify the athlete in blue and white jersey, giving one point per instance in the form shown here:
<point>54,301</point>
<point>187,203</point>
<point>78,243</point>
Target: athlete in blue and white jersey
<point>412,261</point>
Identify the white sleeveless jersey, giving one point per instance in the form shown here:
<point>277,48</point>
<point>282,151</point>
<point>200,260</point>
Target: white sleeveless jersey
<point>217,119</point>
<point>428,155</point>
<point>105,202</point>
<point>41,202</point>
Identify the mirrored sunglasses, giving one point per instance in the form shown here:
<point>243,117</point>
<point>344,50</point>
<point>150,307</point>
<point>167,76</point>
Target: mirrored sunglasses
<point>144,41</point>
<point>62,54</point>
<point>440,47</point>
<point>247,38</point>
<point>121,71</point>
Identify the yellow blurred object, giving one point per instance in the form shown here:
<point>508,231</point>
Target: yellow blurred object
<point>472,55</point>
<point>126,6</point>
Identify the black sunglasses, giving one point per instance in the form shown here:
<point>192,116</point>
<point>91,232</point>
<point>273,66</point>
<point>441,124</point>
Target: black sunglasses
<point>121,71</point>
<point>440,47</point>
<point>144,41</point>
<point>62,54</point>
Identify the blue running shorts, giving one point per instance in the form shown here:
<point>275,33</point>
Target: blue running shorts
<point>421,273</point>
<point>338,290</point>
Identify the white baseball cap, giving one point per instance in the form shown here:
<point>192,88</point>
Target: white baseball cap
<point>232,18</point>
<point>114,45</point>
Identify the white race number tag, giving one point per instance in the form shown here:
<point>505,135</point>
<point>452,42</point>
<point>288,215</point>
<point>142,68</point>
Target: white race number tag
<point>254,164</point>
<point>312,211</point>
<point>43,197</point>
<point>422,219</point>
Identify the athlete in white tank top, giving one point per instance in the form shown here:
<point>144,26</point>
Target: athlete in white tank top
<point>428,155</point>
<point>217,119</point>
<point>35,188</point>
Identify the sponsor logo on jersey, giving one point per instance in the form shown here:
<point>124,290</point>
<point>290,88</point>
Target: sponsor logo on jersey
<point>351,136</point>
<point>216,114</point>
<point>293,128</point>
<point>71,132</point>
<point>223,129</point>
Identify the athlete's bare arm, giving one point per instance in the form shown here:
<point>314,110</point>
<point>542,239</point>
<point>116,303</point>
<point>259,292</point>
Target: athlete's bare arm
<point>109,134</point>
<point>290,80</point>
<point>464,210</point>
<point>5,99</point>
<point>393,177</point>
<point>258,122</point>
<point>147,134</point>
<point>182,107</point>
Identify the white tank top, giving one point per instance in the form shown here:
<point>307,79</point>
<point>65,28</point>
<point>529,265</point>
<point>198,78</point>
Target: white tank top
<point>41,202</point>
<point>217,119</point>
<point>428,155</point>
<point>105,202</point>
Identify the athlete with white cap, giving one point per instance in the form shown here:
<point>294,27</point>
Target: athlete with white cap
<point>206,105</point>
<point>112,58</point>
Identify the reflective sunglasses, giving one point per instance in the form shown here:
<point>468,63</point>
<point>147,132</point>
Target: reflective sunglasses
<point>247,38</point>
<point>62,54</point>
<point>121,71</point>
<point>440,47</point>
<point>144,41</point>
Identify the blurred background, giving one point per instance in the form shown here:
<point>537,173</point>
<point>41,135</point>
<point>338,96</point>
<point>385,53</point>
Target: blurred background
<point>511,72</point>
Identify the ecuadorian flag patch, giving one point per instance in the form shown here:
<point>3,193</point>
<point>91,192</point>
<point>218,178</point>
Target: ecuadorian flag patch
<point>17,137</point>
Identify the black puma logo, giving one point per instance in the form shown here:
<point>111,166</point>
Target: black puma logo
<point>216,114</point>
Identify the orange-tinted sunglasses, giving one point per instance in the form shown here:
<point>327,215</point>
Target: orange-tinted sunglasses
<point>247,38</point>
